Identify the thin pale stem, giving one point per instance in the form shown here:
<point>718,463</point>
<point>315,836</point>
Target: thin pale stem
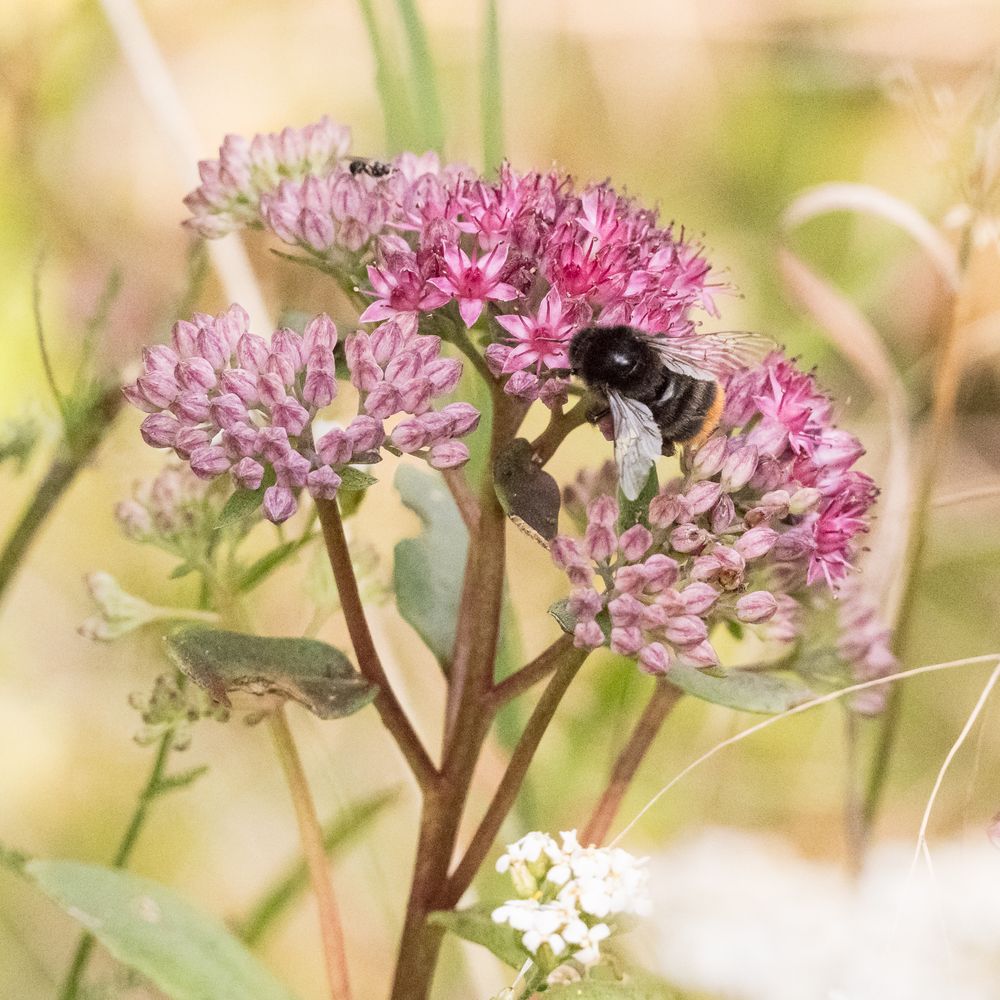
<point>311,836</point>
<point>388,707</point>
<point>531,673</point>
<point>71,985</point>
<point>510,784</point>
<point>560,425</point>
<point>665,696</point>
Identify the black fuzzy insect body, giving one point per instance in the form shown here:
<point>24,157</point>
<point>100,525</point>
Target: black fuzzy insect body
<point>373,168</point>
<point>617,358</point>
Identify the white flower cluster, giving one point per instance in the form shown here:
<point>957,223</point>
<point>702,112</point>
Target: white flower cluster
<point>570,896</point>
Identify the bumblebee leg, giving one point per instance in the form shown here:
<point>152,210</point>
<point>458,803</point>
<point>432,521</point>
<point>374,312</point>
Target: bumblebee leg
<point>668,448</point>
<point>598,412</point>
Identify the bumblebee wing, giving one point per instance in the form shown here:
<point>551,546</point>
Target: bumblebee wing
<point>638,442</point>
<point>708,356</point>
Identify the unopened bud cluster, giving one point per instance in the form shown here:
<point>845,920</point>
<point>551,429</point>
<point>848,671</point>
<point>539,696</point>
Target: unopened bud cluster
<point>571,897</point>
<point>173,705</point>
<point>228,401</point>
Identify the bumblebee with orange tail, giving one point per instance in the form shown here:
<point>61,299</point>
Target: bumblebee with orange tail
<point>660,391</point>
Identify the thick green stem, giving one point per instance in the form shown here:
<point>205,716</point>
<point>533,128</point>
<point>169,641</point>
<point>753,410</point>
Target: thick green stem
<point>311,836</point>
<point>150,790</point>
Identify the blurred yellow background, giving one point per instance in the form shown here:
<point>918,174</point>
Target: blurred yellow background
<point>720,113</point>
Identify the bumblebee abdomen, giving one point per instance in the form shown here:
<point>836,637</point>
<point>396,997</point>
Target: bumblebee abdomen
<point>686,406</point>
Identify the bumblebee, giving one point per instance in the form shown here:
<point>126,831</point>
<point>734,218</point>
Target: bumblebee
<point>660,391</point>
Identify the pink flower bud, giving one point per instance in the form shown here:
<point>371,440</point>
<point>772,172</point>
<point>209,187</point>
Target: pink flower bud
<point>664,509</point>
<point>270,389</point>
<point>159,388</point>
<point>252,352</point>
<point>209,461</point>
<point>318,230</point>
<point>464,418</point>
<point>183,335</point>
<point>409,436</point>
<point>402,368</point>
<point>240,440</point>
<point>272,443</point>
<point>701,497</point>
<point>803,500</point>
<point>709,457</point>
<point>335,447</point>
<point>756,542</point>
<point>738,468</point>
<point>793,545</point>
<point>522,384</point>
<point>837,449</point>
<point>626,611</point>
<point>365,434</point>
<point>496,357</point>
<point>228,410</point>
<point>444,375</point>
<point>240,383</point>
<point>323,483</point>
<point>320,335</point>
<point>758,606</point>
<point>655,616</point>
<point>626,641</point>
<point>248,474</point>
<point>603,511</point>
<point>292,470</point>
<point>697,598</point>
<point>231,325</point>
<point>671,602</point>
<point>159,430</point>
<point>191,407</point>
<point>279,504</point>
<point>135,396</point>
<point>448,454</point>
<point>635,542</point>
<point>357,348</point>
<point>319,388</point>
<point>723,514</point>
<point>415,395</point>
<point>688,538</point>
<point>213,348</point>
<point>701,655</point>
<point>159,358</point>
<point>655,659</point>
<point>133,519</point>
<point>588,635</point>
<point>196,374</point>
<point>188,439</point>
<point>685,630</point>
<point>566,552</point>
<point>585,603</point>
<point>600,542</point>
<point>387,341</point>
<point>291,415</point>
<point>659,571</point>
<point>383,401</point>
<point>281,367</point>
<point>630,579</point>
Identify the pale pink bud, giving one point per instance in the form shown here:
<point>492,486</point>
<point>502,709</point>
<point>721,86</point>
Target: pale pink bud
<point>600,542</point>
<point>240,440</point>
<point>688,538</point>
<point>357,347</point>
<point>464,418</point>
<point>403,367</point>
<point>317,229</point>
<point>320,335</point>
<point>159,358</point>
<point>323,483</point>
<point>756,542</point>
<point>209,461</point>
<point>279,504</point>
<point>183,336</point>
<point>137,398</point>
<point>444,375</point>
<point>232,324</point>
<point>709,457</point>
<point>496,357</point>
<point>159,388</point>
<point>271,389</point>
<point>248,474</point>
<point>655,616</point>
<point>272,443</point>
<point>803,500</point>
<point>664,509</point>
<point>319,388</point>
<point>522,384</point>
<point>159,430</point>
<point>240,383</point>
<point>603,511</point>
<point>697,598</point>
<point>770,506</point>
<point>566,552</point>
<point>189,438</point>
<point>291,415</point>
<point>626,611</point>
<point>383,401</point>
<point>228,410</point>
<point>758,606</point>
<point>585,603</point>
<point>386,341</point>
<point>212,348</point>
<point>448,454</point>
<point>738,468</point>
<point>288,345</point>
<point>133,519</point>
<point>626,641</point>
<point>335,447</point>
<point>281,367</point>
<point>701,655</point>
<point>409,436</point>
<point>659,571</point>
<point>701,497</point>
<point>671,602</point>
<point>292,470</point>
<point>588,635</point>
<point>635,542</point>
<point>252,352</point>
<point>723,514</point>
<point>685,630</point>
<point>195,373</point>
<point>192,407</point>
<point>837,449</point>
<point>630,579</point>
<point>365,433</point>
<point>792,546</point>
<point>437,426</point>
<point>415,395</point>
<point>655,659</point>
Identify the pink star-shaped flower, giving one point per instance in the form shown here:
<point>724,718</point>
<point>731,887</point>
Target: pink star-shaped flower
<point>472,282</point>
<point>540,340</point>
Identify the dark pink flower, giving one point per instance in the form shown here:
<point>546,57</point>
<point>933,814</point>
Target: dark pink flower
<point>539,340</point>
<point>472,282</point>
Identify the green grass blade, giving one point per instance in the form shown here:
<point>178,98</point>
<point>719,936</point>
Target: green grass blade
<point>490,96</point>
<point>428,119</point>
<point>392,90</point>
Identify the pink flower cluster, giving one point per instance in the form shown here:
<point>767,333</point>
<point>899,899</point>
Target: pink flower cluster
<point>767,507</point>
<point>167,507</point>
<point>226,400</point>
<point>538,256</point>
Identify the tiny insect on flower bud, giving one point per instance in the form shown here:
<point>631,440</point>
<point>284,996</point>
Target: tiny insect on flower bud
<point>758,606</point>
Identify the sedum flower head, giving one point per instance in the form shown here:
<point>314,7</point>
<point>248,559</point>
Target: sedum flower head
<point>228,401</point>
<point>571,896</point>
<point>767,508</point>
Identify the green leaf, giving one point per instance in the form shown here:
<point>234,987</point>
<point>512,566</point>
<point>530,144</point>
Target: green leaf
<point>182,951</point>
<point>346,827</point>
<point>476,925</point>
<point>182,570</point>
<point>740,689</point>
<point>175,782</point>
<point>427,570</point>
<point>392,90</point>
<point>309,671</point>
<point>270,561</point>
<point>530,497</point>
<point>490,101</point>
<point>241,504</point>
<point>422,83</point>
<point>636,511</point>
<point>565,618</point>
<point>355,479</point>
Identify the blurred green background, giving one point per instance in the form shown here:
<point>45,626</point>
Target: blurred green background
<point>719,113</point>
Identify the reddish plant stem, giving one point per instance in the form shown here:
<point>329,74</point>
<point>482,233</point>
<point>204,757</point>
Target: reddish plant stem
<point>311,836</point>
<point>560,425</point>
<point>389,709</point>
<point>660,705</point>
<point>465,499</point>
<point>570,661</point>
<point>531,673</point>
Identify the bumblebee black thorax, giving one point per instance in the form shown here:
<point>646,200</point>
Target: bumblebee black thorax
<point>613,357</point>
